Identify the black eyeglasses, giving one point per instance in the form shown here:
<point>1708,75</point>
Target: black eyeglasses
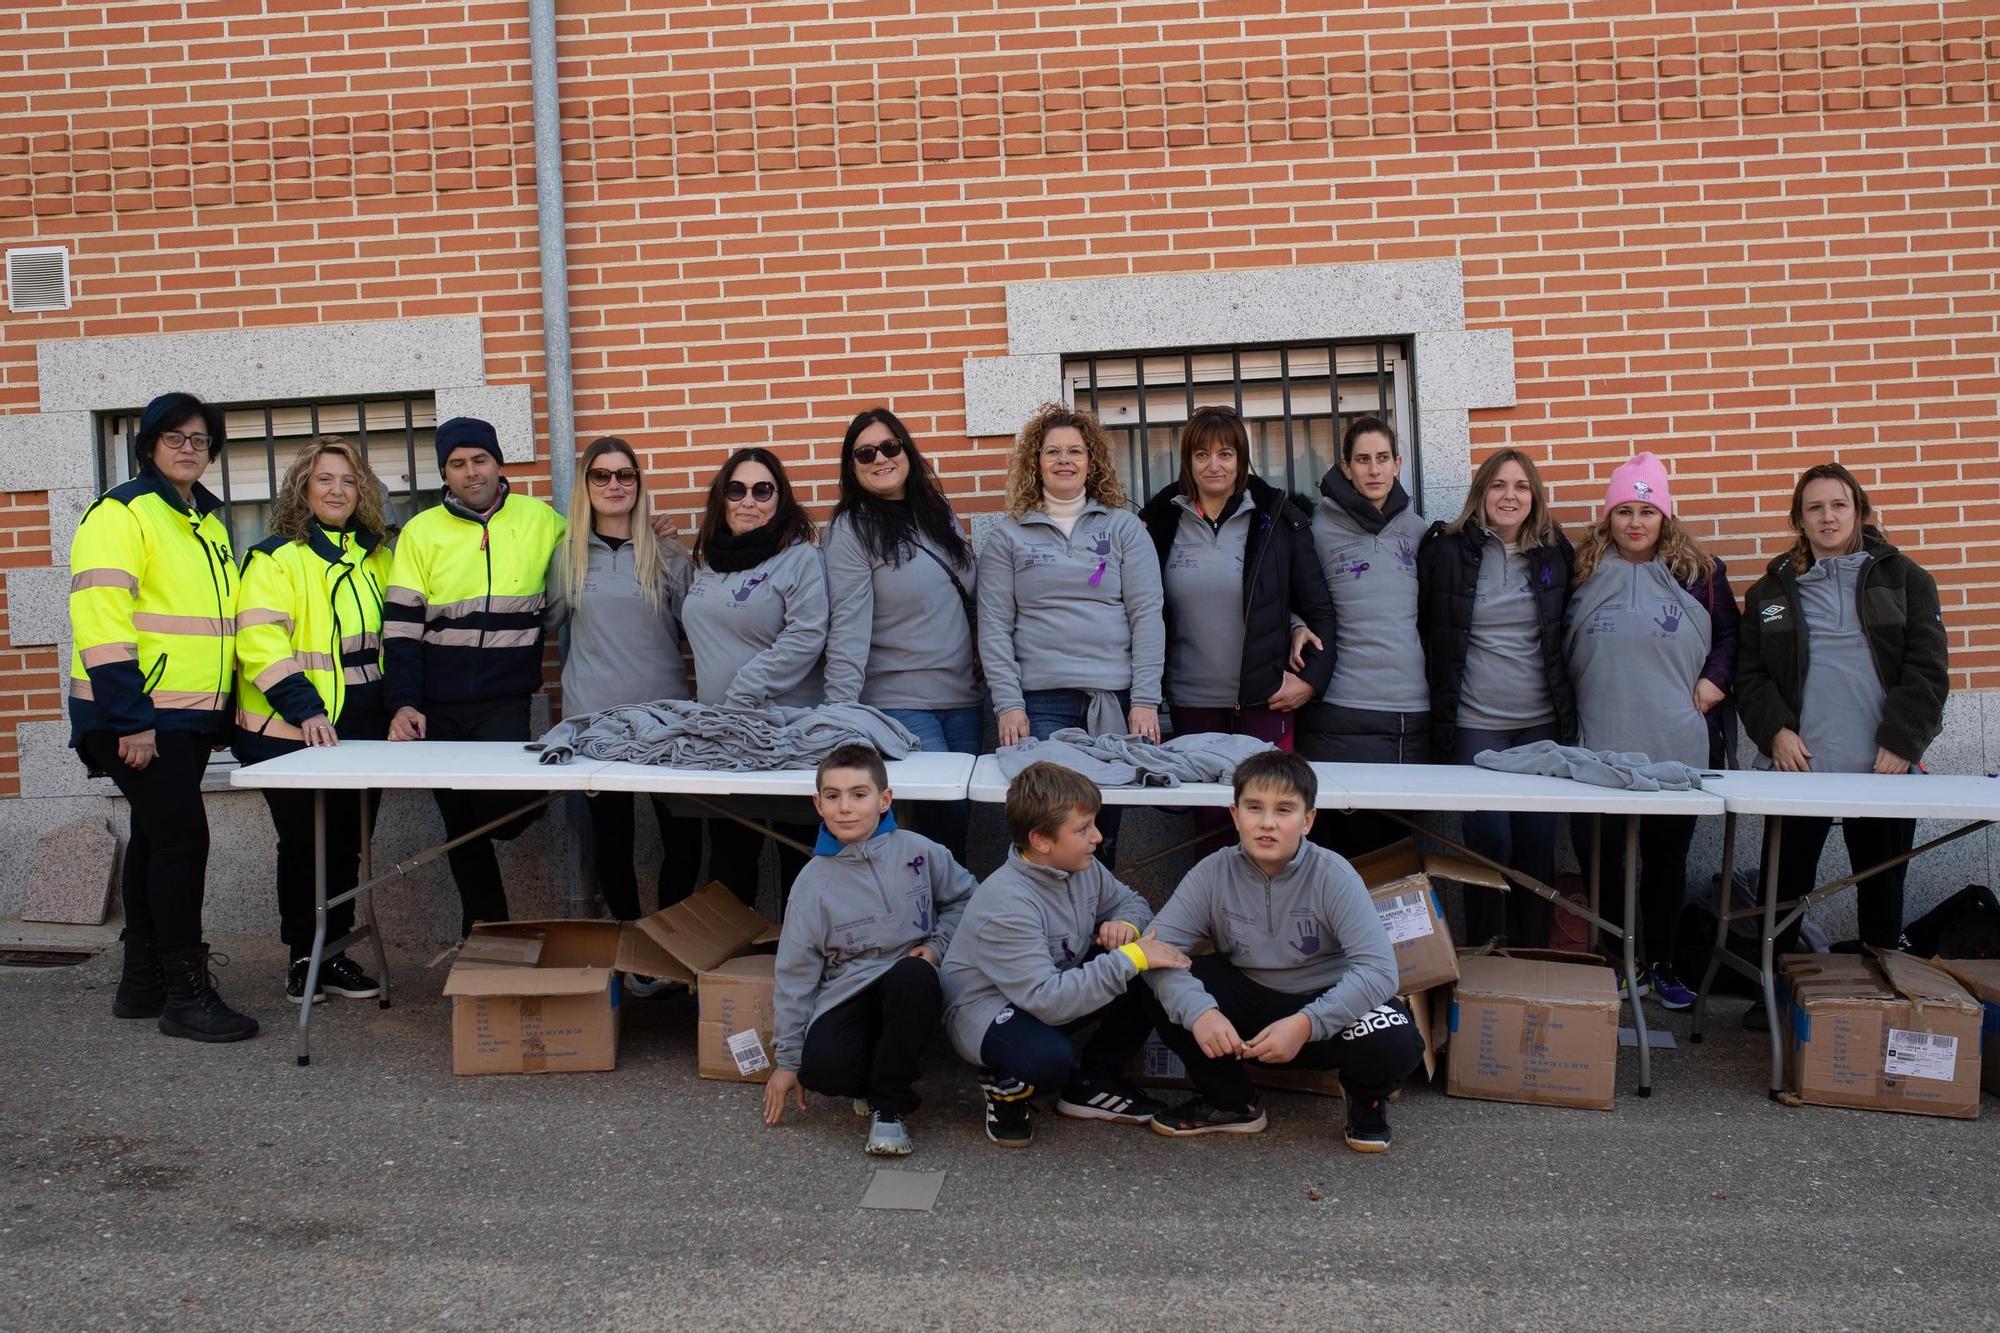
<point>173,439</point>
<point>602,477</point>
<point>761,492</point>
<point>888,449</point>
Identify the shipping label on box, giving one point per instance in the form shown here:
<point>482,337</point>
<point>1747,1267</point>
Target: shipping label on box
<point>1882,1033</point>
<point>1525,1030</point>
<point>1399,879</point>
<point>733,1034</point>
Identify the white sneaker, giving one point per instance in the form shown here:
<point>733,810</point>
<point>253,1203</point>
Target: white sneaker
<point>887,1137</point>
<point>862,1110</point>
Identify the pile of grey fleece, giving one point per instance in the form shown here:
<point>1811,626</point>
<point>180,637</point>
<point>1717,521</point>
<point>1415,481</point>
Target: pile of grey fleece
<point>679,733</point>
<point>1133,761</point>
<point>1600,768</point>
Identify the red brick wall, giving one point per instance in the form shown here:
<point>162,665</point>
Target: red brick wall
<point>1749,240</point>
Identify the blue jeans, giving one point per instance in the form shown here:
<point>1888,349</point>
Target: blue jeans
<point>942,731</point>
<point>1524,840</point>
<point>1049,711</point>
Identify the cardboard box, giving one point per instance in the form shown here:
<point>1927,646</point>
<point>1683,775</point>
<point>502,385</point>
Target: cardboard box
<point>1887,1032</point>
<point>541,997</point>
<point>1399,879</point>
<point>1156,1066</point>
<point>1981,977</point>
<point>733,1033</point>
<point>1535,1031</point>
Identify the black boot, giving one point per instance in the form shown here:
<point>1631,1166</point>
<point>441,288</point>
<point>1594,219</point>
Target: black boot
<point>193,1008</point>
<point>142,988</point>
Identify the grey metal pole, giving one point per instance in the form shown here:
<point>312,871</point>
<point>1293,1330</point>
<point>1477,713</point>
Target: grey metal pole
<point>554,251</point>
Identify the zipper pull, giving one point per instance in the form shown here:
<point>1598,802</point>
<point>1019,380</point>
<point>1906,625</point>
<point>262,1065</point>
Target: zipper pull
<point>484,532</point>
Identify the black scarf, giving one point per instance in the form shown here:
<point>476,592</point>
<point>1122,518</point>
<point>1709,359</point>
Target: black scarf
<point>731,553</point>
<point>1336,487</point>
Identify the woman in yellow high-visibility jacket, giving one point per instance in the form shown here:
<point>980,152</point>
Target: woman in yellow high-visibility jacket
<point>309,673</point>
<point>152,609</point>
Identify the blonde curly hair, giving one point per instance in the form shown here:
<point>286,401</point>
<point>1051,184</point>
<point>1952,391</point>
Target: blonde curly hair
<point>1678,550</point>
<point>291,513</point>
<point>1024,470</point>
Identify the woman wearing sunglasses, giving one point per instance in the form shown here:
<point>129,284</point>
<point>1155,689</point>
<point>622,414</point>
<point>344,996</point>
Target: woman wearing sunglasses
<point>618,587</point>
<point>756,618</point>
<point>899,577</point>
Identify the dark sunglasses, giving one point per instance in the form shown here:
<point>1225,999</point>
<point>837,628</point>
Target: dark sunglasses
<point>888,449</point>
<point>761,492</point>
<point>602,477</point>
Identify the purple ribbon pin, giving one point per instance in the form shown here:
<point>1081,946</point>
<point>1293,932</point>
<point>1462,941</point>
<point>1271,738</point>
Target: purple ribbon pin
<point>1098,577</point>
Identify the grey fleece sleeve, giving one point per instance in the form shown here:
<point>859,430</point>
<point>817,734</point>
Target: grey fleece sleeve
<point>555,592</point>
<point>801,963</point>
<point>996,618</point>
<point>1371,972</point>
<point>1014,955</point>
<point>1145,602</point>
<point>1116,901</point>
<point>850,585</point>
<point>951,893</point>
<point>1183,923</point>
<point>792,655</point>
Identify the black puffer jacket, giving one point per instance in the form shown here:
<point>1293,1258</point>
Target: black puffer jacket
<point>1280,576</point>
<point>1447,574</point>
<point>1898,608</point>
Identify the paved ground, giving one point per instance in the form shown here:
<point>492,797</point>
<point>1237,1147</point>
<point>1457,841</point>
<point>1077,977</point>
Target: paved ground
<point>151,1183</point>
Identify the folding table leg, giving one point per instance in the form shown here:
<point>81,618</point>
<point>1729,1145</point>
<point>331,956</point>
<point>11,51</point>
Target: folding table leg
<point>380,949</point>
<point>1774,833</point>
<point>319,928</point>
<point>1631,941</point>
<point>1724,905</point>
<point>1596,861</point>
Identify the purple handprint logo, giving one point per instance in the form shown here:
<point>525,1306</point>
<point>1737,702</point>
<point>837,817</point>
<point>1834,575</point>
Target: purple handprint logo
<point>1406,554</point>
<point>924,915</point>
<point>1308,941</point>
<point>1670,618</point>
<point>1359,568</point>
<point>1102,546</point>
<point>742,594</point>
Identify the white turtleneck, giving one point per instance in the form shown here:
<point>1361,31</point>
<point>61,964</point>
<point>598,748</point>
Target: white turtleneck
<point>1065,512</point>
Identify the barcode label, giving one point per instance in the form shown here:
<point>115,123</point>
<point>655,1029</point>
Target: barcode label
<point>747,1050</point>
<point>1920,1055</point>
<point>1406,917</point>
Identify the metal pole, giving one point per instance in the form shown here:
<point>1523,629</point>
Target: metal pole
<point>555,259</point>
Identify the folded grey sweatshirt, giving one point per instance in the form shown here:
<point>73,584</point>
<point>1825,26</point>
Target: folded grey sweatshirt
<point>1081,612</point>
<point>1022,943</point>
<point>1378,661</point>
<point>679,733</point>
<point>620,648</point>
<point>757,634</point>
<point>1311,927</point>
<point>852,916</point>
<point>1601,768</point>
<point>1133,761</point>
<point>898,636</point>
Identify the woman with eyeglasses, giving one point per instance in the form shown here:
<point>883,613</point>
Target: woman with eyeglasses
<point>152,610</point>
<point>617,588</point>
<point>1070,597</point>
<point>756,619</point>
<point>900,579</point>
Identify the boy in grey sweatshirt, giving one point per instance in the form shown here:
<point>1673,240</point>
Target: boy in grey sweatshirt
<point>856,992</point>
<point>1302,973</point>
<point>1050,945</point>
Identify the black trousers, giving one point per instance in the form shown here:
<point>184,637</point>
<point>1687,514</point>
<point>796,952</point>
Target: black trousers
<point>166,858</point>
<point>736,852</point>
<point>292,816</point>
<point>1879,898</point>
<point>872,1045</point>
<point>614,834</point>
<point>1373,1056</point>
<point>1663,859</point>
<point>474,867</point>
<point>1020,1047</point>
<point>1331,734</point>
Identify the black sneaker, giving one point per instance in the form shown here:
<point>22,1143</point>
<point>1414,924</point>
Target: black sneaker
<point>295,981</point>
<point>1367,1124</point>
<point>341,975</point>
<point>1108,1099</point>
<point>1010,1122</point>
<point>1198,1117</point>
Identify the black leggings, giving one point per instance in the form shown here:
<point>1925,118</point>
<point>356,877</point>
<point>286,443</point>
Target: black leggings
<point>614,834</point>
<point>292,815</point>
<point>1663,862</point>
<point>871,1045</point>
<point>166,859</point>
<point>1878,907</point>
<point>474,867</point>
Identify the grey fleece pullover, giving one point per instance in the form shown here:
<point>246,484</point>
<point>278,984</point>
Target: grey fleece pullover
<point>1841,706</point>
<point>1378,660</point>
<point>898,637</point>
<point>1023,941</point>
<point>1311,927</point>
<point>1204,586</point>
<point>1503,688</point>
<point>1635,642</point>
<point>853,914</point>
<point>1080,612</point>
<point>621,650</point>
<point>757,634</point>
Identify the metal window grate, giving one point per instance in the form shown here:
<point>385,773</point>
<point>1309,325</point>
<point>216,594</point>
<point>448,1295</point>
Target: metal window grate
<point>1295,398</point>
<point>395,432</point>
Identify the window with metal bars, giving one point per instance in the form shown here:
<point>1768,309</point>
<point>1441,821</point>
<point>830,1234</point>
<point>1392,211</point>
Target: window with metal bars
<point>395,432</point>
<point>1296,400</point>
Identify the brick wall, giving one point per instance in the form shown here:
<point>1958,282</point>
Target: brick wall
<point>1749,240</point>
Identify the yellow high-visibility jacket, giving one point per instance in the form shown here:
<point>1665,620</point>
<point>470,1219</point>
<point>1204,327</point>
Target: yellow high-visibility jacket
<point>152,607</point>
<point>309,636</point>
<point>464,615</point>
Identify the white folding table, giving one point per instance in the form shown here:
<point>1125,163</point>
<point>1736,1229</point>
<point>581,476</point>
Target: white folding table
<point>367,766</point>
<point>1774,795</point>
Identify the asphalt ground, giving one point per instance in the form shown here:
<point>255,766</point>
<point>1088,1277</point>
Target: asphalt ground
<point>152,1183</point>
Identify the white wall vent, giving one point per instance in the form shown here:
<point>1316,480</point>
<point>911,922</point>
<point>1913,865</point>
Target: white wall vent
<point>38,279</point>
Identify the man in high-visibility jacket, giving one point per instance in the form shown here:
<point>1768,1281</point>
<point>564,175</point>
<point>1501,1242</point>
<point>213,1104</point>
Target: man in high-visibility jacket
<point>462,636</point>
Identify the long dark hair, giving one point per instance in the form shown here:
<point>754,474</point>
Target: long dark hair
<point>885,527</point>
<point>1864,513</point>
<point>791,520</point>
<point>166,413</point>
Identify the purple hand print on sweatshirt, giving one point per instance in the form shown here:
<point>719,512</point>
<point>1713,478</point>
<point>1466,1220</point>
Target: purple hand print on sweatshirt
<point>1670,618</point>
<point>924,916</point>
<point>1101,546</point>
<point>1406,554</point>
<point>742,594</point>
<point>1308,941</point>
